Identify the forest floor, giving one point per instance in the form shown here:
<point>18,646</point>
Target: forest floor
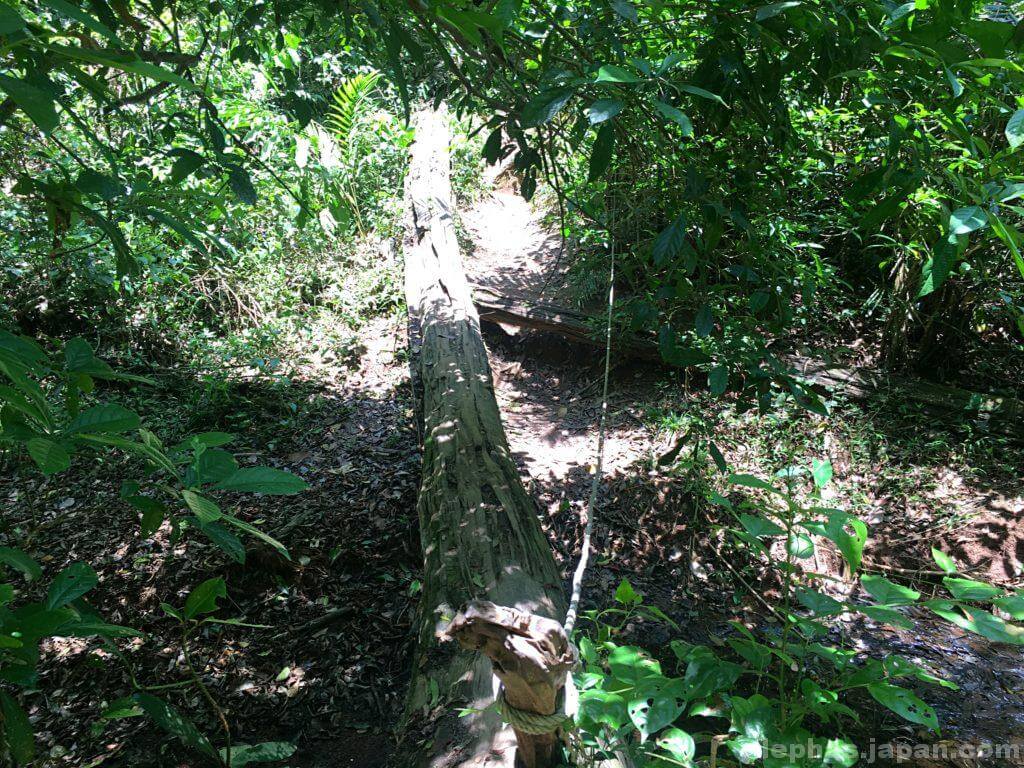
<point>329,670</point>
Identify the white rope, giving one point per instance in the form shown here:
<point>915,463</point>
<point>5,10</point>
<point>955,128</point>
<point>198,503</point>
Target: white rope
<point>588,529</point>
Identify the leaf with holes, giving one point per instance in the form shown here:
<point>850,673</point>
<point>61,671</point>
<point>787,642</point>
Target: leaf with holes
<point>905,704</point>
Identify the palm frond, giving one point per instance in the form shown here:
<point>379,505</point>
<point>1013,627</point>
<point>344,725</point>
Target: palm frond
<point>349,102</point>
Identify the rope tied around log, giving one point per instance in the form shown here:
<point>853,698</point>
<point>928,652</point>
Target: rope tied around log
<point>532,723</point>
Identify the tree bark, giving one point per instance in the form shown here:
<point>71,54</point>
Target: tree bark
<point>479,528</point>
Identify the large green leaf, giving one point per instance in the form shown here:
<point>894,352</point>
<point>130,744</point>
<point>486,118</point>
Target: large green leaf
<point>604,109</point>
<point>172,721</point>
<point>49,456</point>
<point>203,599</point>
<point>40,106</point>
<point>267,752</point>
<point>968,589</point>
<point>106,417</point>
<point>70,584</point>
<point>543,107</point>
<point>17,730</point>
<point>886,592</point>
<point>263,480</point>
<point>669,241</point>
<point>20,561</point>
<point>966,220</point>
<point>675,115</point>
<point>204,509</point>
<point>611,73</point>
<point>905,704</point>
<point>1015,129</point>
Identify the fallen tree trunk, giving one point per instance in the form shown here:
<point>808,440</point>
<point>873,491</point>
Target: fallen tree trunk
<point>1002,415</point>
<point>479,528</point>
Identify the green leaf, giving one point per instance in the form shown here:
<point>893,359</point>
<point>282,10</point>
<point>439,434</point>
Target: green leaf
<point>15,558</point>
<point>938,267</point>
<point>168,718</point>
<point>106,417</point>
<point>718,380</point>
<point>848,533</point>
<point>760,526</point>
<point>679,744</point>
<point>203,599</point>
<point>69,11</point>
<point>226,540</point>
<point>215,465</point>
<point>965,220</point>
<point>885,615</point>
<point>17,730</point>
<point>186,163</point>
<point>267,752</point>
<point>704,323</point>
<point>629,665</point>
<point>70,584</point>
<point>887,593</point>
<point>1012,604</point>
<point>905,704</point>
<point>604,109</point>
<point>203,439</point>
<point>254,531</point>
<point>694,90</point>
<point>492,147</point>
<point>821,471</point>
<point>749,481</point>
<point>1015,129</point>
<point>626,10</point>
<point>201,507</point>
<point>120,709</point>
<point>610,73</point>
<point>543,107</point>
<point>766,12</point>
<point>676,116</point>
<point>124,61</point>
<point>97,628</point>
<point>10,19</point>
<point>967,589</point>
<point>625,594</point>
<point>840,753</point>
<point>39,105</point>
<point>717,457</point>
<point>800,546</point>
<point>819,604</point>
<point>977,621</point>
<point>944,561</point>
<point>89,182</point>
<point>263,480</point>
<point>242,186</point>
<point>669,241</point>
<point>50,457</point>
<point>601,156</point>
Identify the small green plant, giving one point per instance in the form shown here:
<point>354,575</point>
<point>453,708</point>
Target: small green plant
<point>779,696</point>
<point>42,415</point>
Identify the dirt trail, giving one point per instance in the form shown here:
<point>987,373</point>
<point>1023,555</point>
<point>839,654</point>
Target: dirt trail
<point>547,389</point>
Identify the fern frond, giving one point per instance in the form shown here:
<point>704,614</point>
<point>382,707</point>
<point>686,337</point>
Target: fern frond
<point>349,101</point>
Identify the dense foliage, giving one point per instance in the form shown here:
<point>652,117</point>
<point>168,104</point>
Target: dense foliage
<point>188,184</point>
